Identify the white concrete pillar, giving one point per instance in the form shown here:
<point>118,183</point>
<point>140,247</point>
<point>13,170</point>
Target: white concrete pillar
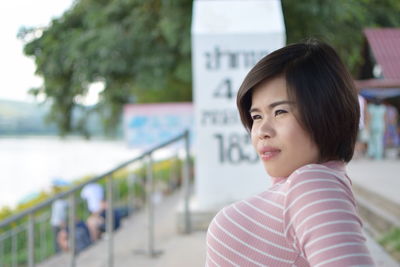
<point>228,38</point>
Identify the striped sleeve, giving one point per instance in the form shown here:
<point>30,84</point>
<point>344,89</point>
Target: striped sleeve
<point>320,220</point>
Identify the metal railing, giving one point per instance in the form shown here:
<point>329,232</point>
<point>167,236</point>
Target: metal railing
<point>70,194</point>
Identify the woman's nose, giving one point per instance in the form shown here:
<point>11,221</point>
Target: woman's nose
<point>266,130</point>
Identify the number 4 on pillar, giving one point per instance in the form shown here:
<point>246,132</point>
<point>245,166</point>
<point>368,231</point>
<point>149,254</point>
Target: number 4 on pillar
<point>224,89</point>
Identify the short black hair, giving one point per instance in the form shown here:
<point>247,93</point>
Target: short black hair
<point>318,81</point>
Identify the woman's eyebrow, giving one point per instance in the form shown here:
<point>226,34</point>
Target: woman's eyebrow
<point>272,105</point>
<point>254,110</point>
<point>277,103</point>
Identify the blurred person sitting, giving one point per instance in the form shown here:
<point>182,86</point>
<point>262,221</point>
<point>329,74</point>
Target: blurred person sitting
<point>97,221</point>
<point>82,237</point>
<point>93,193</point>
<point>118,214</point>
<point>59,208</point>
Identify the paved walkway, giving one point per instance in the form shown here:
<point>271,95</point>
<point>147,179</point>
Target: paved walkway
<point>379,176</point>
<point>176,250</point>
<point>189,250</point>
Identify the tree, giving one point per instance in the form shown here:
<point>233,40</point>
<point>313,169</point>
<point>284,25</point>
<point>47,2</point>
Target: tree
<point>340,23</point>
<point>141,49</point>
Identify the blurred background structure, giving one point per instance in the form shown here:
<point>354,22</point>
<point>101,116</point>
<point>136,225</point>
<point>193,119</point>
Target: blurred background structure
<point>98,59</point>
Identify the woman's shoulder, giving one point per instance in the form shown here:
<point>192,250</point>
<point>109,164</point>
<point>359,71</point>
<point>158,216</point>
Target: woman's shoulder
<point>330,170</point>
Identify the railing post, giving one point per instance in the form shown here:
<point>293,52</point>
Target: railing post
<point>150,207</point>
<point>174,172</point>
<point>71,230</point>
<point>186,183</point>
<point>31,240</point>
<point>14,246</point>
<point>131,196</point>
<point>1,251</point>
<point>42,239</point>
<point>110,222</point>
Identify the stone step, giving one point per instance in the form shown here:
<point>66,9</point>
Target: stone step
<point>380,213</point>
<point>376,218</point>
<point>378,200</point>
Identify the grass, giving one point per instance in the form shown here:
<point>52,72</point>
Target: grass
<point>391,242</point>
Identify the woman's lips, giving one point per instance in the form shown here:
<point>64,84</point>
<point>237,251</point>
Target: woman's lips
<point>268,153</point>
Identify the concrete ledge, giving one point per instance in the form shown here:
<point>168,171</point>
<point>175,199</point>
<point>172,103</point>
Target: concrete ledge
<point>380,220</point>
<point>378,200</point>
<point>378,212</point>
<point>200,218</point>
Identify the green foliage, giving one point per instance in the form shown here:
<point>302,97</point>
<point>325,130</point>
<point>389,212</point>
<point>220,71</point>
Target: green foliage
<point>340,23</point>
<point>40,198</point>
<point>18,241</point>
<point>5,212</point>
<point>139,49</point>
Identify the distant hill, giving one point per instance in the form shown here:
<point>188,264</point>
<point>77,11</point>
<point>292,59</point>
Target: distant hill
<point>24,118</point>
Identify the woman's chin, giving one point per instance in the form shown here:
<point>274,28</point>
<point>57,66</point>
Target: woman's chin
<point>276,171</point>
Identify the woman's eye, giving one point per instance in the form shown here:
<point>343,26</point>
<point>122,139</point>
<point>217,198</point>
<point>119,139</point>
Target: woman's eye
<point>280,111</point>
<point>255,117</point>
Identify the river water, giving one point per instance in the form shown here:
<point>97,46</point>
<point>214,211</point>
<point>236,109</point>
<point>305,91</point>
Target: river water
<point>29,164</point>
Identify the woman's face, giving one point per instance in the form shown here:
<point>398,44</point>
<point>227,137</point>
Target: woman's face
<point>282,144</point>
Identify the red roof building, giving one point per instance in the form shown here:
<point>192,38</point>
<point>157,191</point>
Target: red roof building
<point>385,46</point>
<point>380,75</point>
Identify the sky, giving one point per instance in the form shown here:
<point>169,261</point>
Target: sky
<point>17,70</point>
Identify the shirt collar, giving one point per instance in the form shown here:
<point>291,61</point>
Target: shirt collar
<point>336,165</point>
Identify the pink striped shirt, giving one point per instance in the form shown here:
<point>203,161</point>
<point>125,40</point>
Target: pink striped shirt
<point>307,219</point>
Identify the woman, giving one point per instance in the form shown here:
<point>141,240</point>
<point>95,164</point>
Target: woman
<point>301,108</point>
